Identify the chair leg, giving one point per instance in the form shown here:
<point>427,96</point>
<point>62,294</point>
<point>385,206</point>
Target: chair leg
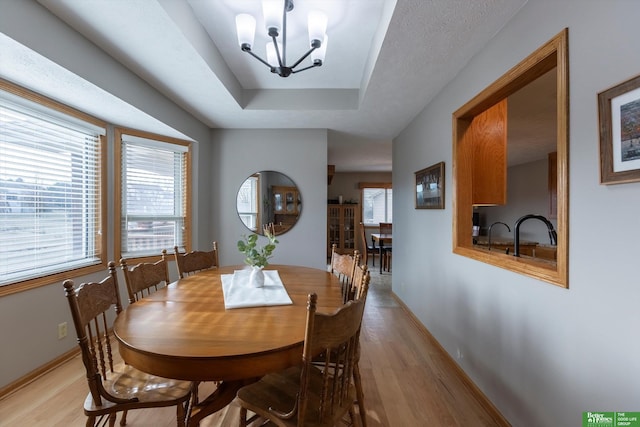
<point>243,417</point>
<point>181,415</point>
<point>354,418</point>
<point>357,380</point>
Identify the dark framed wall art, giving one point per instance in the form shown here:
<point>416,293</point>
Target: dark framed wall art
<point>430,187</point>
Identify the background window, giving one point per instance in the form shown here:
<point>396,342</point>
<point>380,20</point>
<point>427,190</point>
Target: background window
<point>247,203</point>
<point>377,205</point>
<point>50,200</point>
<point>153,197</point>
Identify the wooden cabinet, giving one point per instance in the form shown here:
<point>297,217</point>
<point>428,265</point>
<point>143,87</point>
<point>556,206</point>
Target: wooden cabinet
<point>286,200</point>
<point>488,138</point>
<point>342,227</point>
<point>287,205</point>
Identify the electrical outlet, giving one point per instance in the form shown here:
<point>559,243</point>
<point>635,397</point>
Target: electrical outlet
<point>460,354</point>
<point>62,330</point>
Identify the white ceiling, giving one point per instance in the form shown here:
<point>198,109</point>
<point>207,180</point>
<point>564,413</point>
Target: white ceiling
<point>386,59</point>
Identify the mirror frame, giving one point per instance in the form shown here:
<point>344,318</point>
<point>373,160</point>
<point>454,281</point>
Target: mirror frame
<point>553,54</point>
<point>260,230</point>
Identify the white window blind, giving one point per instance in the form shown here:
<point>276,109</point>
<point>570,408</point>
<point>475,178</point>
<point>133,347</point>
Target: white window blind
<point>153,196</point>
<point>50,200</point>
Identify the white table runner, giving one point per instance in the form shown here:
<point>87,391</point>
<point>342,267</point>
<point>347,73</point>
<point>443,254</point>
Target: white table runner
<point>238,293</point>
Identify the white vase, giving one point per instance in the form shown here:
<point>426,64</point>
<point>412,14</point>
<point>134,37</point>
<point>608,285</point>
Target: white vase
<point>256,278</point>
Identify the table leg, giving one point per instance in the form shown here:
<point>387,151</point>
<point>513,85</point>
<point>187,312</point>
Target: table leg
<point>381,249</point>
<point>223,395</point>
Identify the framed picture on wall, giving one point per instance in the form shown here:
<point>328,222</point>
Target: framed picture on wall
<point>430,187</point>
<point>619,113</point>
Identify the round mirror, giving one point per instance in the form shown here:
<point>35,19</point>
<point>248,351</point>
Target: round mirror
<point>268,200</point>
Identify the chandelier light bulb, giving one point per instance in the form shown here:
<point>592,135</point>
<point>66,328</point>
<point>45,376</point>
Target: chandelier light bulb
<point>317,26</point>
<point>246,29</point>
<point>272,12</point>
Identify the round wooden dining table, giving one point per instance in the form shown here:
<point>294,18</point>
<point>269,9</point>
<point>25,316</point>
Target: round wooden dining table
<point>183,331</point>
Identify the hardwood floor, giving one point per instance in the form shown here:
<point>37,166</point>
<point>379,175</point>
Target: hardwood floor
<point>407,380</point>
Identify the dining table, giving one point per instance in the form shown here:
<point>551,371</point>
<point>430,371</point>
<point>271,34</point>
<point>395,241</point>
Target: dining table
<point>381,239</point>
<point>183,331</point>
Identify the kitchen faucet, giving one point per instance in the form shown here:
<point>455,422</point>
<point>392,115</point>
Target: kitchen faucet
<point>553,237</point>
<point>491,226</point>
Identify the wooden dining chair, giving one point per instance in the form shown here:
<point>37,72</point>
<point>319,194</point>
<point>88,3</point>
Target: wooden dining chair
<point>343,266</point>
<point>194,261</point>
<point>146,277</point>
<point>359,290</point>
<point>114,387</point>
<point>307,394</point>
<point>367,249</point>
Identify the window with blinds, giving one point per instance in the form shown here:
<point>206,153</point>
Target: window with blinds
<point>50,190</point>
<point>377,205</point>
<point>153,201</point>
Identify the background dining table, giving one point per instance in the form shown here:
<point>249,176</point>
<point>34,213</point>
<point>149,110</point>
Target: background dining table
<point>183,331</point>
<point>382,238</point>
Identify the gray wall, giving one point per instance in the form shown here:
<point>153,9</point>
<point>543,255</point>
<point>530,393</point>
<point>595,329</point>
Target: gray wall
<point>346,184</point>
<point>236,154</point>
<point>542,354</point>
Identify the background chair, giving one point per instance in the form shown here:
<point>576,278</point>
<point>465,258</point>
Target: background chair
<point>344,266</point>
<point>114,388</point>
<point>308,395</point>
<point>269,228</point>
<point>386,228</point>
<point>194,261</point>
<point>367,249</point>
<point>145,278</point>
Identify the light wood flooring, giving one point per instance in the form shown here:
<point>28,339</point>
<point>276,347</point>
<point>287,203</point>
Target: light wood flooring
<point>408,381</point>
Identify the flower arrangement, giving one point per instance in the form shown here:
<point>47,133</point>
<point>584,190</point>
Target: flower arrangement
<point>257,257</point>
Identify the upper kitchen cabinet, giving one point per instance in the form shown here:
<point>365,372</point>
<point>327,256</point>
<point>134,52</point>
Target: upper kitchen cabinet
<point>487,133</point>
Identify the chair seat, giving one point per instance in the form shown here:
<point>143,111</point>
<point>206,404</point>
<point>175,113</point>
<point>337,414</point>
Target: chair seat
<point>127,382</point>
<point>280,391</point>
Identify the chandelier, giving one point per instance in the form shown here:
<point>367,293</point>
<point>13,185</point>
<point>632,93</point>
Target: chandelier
<point>275,21</point>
